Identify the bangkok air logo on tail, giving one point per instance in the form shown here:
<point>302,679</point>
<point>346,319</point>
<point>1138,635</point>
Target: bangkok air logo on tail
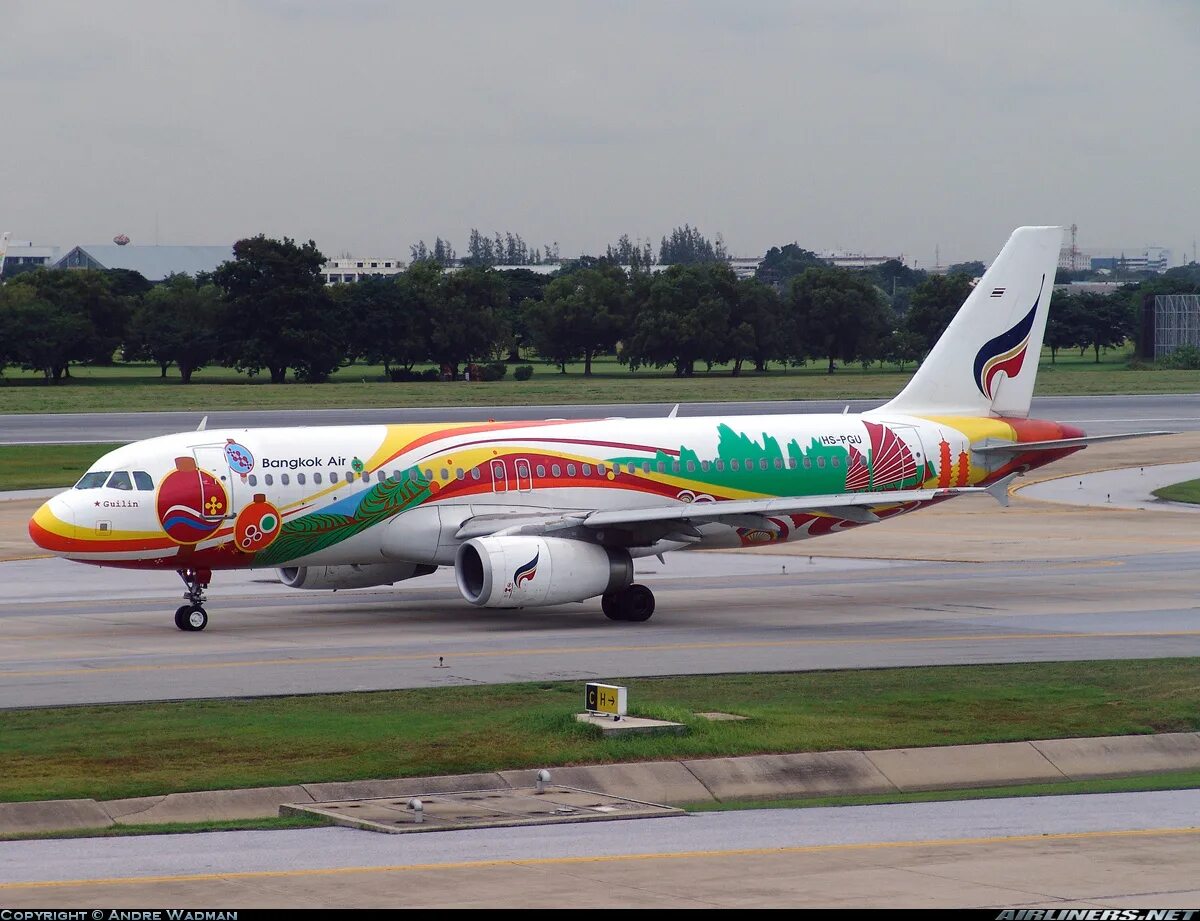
<point>527,572</point>
<point>1006,352</point>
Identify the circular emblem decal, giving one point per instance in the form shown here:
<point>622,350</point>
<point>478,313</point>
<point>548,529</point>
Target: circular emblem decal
<point>191,503</point>
<point>257,525</point>
<point>239,458</point>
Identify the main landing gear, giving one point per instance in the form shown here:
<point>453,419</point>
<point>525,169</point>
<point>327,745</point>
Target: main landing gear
<point>192,616</point>
<point>632,603</point>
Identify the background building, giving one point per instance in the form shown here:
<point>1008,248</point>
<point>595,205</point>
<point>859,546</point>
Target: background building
<point>23,255</point>
<point>349,269</point>
<point>155,262</point>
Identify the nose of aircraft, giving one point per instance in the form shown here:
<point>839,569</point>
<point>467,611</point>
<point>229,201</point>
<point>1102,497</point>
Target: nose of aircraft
<point>52,526</point>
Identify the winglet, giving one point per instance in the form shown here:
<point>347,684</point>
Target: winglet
<point>203,424</point>
<point>671,414</point>
<point>999,489</point>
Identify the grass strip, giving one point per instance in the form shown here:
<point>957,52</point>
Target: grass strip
<point>133,387</point>
<point>44,466</point>
<point>277,823</point>
<point>1187,491</point>
<point>1174,780</point>
<point>115,751</point>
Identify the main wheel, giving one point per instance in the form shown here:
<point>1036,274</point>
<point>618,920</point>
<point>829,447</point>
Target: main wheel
<point>637,603</point>
<point>611,605</point>
<point>181,616</point>
<point>195,619</point>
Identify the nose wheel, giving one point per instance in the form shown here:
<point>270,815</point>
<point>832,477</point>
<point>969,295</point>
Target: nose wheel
<point>192,617</point>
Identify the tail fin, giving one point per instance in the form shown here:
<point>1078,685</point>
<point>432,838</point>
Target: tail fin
<point>986,361</point>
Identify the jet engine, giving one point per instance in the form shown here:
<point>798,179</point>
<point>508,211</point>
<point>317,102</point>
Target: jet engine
<point>518,572</point>
<point>353,576</point>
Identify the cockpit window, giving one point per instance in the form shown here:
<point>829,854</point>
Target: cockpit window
<point>92,480</point>
<point>143,481</point>
<point>119,480</point>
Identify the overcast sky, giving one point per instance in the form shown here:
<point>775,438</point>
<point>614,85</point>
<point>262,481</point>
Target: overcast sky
<point>368,124</point>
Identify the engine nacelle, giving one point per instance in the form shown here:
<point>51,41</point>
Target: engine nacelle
<point>353,576</point>
<point>520,572</point>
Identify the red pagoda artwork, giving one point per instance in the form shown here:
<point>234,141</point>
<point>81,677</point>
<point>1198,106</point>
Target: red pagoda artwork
<point>964,469</point>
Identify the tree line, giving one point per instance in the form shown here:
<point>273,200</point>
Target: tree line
<point>267,311</point>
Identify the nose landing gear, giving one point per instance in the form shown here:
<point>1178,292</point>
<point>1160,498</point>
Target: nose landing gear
<point>192,616</point>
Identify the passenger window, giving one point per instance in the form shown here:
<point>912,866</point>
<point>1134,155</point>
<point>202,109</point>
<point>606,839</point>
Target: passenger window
<point>587,469</point>
<point>704,466</point>
<point>675,466</point>
<point>300,478</point>
<point>252,480</point>
<point>662,467</point>
<point>445,473</point>
<point>284,479</point>
<point>474,473</point>
<point>317,479</point>
<point>92,480</point>
<point>460,474</point>
<point>733,464</point>
<point>834,462</point>
<point>555,470</point>
<point>645,467</point>
<point>349,476</point>
<point>380,476</point>
<point>762,463</point>
<point>333,478</point>
<point>821,462</point>
<point>808,463</point>
<point>143,480</point>
<point>749,463</point>
<point>269,480</point>
<point>721,466</point>
<point>541,470</point>
<point>691,467</point>
<point>791,463</point>
<point>119,480</point>
<point>429,474</point>
<point>570,470</point>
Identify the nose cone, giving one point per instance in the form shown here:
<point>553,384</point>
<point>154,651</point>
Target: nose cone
<point>53,526</point>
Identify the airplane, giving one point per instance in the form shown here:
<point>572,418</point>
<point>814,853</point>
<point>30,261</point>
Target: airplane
<point>535,513</point>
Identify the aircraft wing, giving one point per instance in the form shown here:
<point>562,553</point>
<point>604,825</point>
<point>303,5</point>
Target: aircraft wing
<point>652,523</point>
<point>853,506</point>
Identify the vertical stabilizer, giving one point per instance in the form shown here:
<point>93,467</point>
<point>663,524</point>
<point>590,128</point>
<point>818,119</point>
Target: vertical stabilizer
<point>986,361</point>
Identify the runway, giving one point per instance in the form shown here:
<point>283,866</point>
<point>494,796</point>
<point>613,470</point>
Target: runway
<point>1107,850</point>
<point>1098,415</point>
<point>72,634</point>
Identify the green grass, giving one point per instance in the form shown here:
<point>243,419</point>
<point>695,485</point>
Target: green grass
<point>130,750</point>
<point>279,823</point>
<point>1187,491</point>
<point>135,387</point>
<point>37,466</point>
<point>1174,780</point>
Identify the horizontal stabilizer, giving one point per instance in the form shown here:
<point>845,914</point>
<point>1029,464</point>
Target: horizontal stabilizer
<point>1056,444</point>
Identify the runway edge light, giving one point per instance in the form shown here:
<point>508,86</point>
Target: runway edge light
<point>607,699</point>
